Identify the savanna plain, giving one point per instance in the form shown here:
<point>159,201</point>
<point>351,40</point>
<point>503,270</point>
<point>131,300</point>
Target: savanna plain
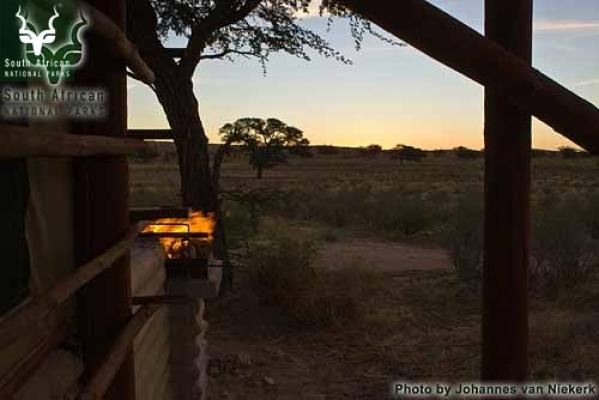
<point>357,270</point>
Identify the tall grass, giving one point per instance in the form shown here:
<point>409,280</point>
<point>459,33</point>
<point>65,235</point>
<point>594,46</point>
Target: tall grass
<point>282,274</point>
<point>392,213</point>
<point>564,251</point>
<point>463,237</point>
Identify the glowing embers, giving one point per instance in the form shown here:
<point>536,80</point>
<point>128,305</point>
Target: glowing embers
<point>184,238</point>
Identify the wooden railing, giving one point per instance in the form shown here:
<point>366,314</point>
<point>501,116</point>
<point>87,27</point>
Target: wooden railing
<point>23,142</point>
<point>36,312</point>
<point>40,314</point>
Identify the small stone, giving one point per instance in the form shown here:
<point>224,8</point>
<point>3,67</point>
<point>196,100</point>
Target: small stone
<point>270,381</point>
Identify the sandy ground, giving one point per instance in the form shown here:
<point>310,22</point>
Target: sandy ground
<point>256,356</point>
<point>418,322</point>
<point>381,255</point>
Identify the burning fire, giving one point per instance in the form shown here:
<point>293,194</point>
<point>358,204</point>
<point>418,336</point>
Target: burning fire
<point>184,246</point>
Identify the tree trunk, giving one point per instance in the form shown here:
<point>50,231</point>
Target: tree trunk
<point>180,105</point>
<point>174,89</point>
<point>181,108</point>
<point>259,172</point>
<point>175,93</point>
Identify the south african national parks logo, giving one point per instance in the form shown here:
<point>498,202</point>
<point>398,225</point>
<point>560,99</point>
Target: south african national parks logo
<point>51,47</point>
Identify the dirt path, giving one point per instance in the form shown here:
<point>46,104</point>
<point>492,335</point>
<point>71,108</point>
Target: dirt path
<point>383,256</point>
<point>256,354</point>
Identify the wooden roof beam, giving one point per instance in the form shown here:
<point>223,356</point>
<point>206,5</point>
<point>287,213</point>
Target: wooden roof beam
<point>21,142</point>
<point>460,47</point>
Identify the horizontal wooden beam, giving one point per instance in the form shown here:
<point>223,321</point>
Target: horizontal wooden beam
<point>34,313</point>
<point>460,47</point>
<point>107,29</point>
<point>23,142</point>
<point>20,373</point>
<point>174,235</point>
<point>102,378</point>
<point>147,214</point>
<point>150,134</point>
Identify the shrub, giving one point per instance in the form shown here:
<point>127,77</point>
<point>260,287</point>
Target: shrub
<point>371,151</point>
<point>467,154</point>
<point>238,223</point>
<point>282,274</point>
<point>562,248</point>
<point>591,215</point>
<point>569,152</point>
<point>397,213</point>
<point>407,153</point>
<point>464,236</point>
<point>340,208</point>
<point>281,270</point>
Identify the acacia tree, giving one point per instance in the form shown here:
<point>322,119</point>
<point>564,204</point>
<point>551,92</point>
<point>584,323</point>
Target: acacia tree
<point>267,142</point>
<point>216,30</point>
<point>403,153</point>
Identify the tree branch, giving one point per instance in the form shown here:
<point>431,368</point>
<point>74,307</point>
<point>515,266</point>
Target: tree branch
<point>222,16</point>
<point>218,56</point>
<point>137,78</point>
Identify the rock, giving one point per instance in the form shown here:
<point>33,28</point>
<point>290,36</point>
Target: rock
<point>270,381</point>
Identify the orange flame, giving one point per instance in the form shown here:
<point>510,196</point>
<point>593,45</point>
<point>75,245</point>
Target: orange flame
<point>196,222</point>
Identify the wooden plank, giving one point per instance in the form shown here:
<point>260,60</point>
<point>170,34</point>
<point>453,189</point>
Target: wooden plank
<point>199,235</point>
<point>21,142</point>
<point>147,214</point>
<point>19,374</point>
<point>102,211</point>
<point>103,377</point>
<point>35,312</point>
<point>507,206</point>
<point>150,134</point>
<point>103,26</point>
<point>454,44</point>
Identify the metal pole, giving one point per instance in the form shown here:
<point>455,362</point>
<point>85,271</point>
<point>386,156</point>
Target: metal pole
<point>507,208</point>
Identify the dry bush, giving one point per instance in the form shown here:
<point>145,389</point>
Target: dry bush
<point>393,213</point>
<point>463,236</point>
<point>564,345</point>
<point>564,253</point>
<point>282,274</point>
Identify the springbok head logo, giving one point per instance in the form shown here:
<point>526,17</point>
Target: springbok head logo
<point>27,34</point>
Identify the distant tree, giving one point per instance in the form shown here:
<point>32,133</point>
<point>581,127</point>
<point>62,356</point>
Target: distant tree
<point>221,30</point>
<point>407,153</point>
<point>465,153</point>
<point>268,142</point>
<point>371,151</point>
<point>570,152</point>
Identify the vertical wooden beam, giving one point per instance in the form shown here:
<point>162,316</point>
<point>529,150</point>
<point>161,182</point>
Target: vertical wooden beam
<point>507,208</point>
<point>102,217</point>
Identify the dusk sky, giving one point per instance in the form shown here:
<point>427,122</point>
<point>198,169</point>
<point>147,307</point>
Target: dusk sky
<point>391,95</point>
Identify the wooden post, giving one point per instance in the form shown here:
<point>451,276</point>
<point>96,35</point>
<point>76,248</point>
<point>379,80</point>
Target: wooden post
<point>461,48</point>
<point>507,208</point>
<point>101,214</point>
